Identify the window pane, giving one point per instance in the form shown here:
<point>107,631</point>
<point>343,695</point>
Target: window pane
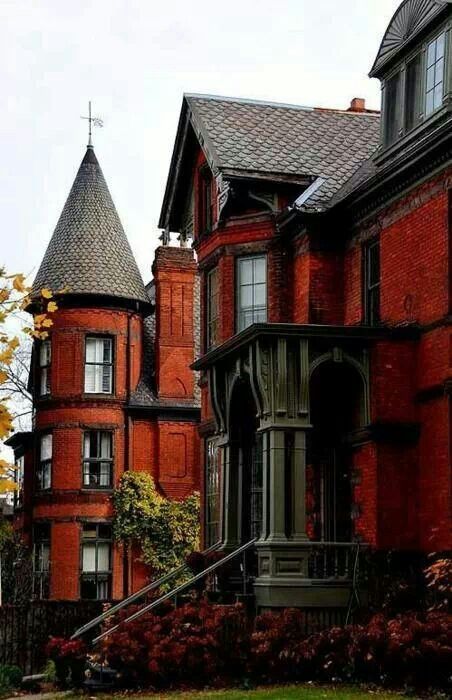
<point>47,475</point>
<point>392,113</point>
<point>438,96</point>
<point>259,295</point>
<point>430,106</point>
<point>89,531</point>
<point>106,350</point>
<point>431,54</point>
<point>430,78</point>
<point>88,589</point>
<point>44,382</point>
<point>439,71</point>
<point>246,272</point>
<point>246,297</point>
<point>89,557</point>
<point>91,344</point>
<point>44,353</point>
<point>104,479</point>
<point>103,556</point>
<point>90,378</point>
<point>103,589</point>
<point>46,447</point>
<point>106,379</point>
<point>105,450</point>
<point>260,272</point>
<point>260,316</point>
<point>440,46</point>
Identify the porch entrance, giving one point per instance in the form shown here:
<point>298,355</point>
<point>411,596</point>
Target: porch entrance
<point>336,397</point>
<point>247,458</point>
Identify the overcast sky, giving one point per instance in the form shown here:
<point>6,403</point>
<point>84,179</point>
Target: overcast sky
<point>134,59</point>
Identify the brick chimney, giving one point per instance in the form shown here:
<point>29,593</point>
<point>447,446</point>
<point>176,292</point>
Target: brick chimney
<point>174,271</point>
<point>358,104</point>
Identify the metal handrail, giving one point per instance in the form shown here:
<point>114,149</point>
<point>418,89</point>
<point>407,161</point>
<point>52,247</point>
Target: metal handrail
<point>179,589</point>
<point>135,596</point>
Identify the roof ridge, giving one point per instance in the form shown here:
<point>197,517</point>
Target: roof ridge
<point>282,105</point>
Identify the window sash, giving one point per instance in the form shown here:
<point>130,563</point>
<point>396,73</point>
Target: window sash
<point>45,359</point>
<point>212,308</point>
<point>44,470</point>
<point>96,562</point>
<point>212,513</point>
<point>251,291</point>
<point>98,365</point>
<point>435,74</point>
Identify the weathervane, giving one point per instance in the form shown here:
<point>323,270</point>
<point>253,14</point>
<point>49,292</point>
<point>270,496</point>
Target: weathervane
<point>93,121</point>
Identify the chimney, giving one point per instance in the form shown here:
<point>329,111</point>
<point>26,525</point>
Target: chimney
<point>174,271</point>
<point>358,104</point>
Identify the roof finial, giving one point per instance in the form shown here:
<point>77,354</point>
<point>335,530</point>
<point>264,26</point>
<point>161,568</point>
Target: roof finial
<point>93,121</point>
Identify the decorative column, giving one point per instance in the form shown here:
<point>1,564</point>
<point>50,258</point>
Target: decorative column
<point>229,498</point>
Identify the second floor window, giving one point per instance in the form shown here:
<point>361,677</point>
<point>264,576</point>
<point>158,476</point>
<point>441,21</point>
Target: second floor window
<point>44,472</point>
<point>96,562</point>
<point>372,282</point>
<point>45,357</point>
<point>41,561</point>
<point>435,74</point>
<point>212,308</point>
<point>251,291</point>
<point>19,479</point>
<point>98,365</point>
<point>97,459</point>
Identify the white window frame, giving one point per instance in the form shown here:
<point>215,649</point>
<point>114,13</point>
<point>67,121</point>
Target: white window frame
<point>98,469</point>
<point>251,313</point>
<point>98,370</point>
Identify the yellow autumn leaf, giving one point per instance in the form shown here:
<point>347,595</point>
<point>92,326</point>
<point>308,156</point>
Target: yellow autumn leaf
<point>47,323</point>
<point>46,293</point>
<point>6,423</point>
<point>52,306</point>
<point>7,485</point>
<point>4,295</point>
<point>14,343</point>
<point>39,319</point>
<point>3,376</point>
<point>19,283</point>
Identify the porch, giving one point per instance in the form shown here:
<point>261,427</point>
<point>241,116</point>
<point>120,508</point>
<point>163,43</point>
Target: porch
<point>288,401</point>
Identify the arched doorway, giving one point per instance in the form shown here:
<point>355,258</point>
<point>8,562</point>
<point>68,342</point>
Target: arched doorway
<point>337,408</point>
<point>246,460</point>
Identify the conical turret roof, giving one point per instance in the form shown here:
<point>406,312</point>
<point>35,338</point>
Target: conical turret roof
<point>89,253</point>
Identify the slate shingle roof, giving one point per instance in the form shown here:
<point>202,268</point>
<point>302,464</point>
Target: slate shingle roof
<point>249,136</point>
<point>89,252</point>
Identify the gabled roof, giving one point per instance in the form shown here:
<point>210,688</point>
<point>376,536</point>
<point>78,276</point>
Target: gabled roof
<point>408,21</point>
<point>278,142</point>
<point>89,253</point>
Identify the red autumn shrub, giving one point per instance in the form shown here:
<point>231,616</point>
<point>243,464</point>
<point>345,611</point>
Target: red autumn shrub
<point>184,645</point>
<point>272,643</point>
<point>69,656</point>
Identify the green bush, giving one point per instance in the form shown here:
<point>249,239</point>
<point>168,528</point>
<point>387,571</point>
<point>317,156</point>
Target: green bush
<point>10,677</point>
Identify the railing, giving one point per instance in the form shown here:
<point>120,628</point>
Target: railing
<point>136,596</point>
<point>179,589</point>
<point>332,561</point>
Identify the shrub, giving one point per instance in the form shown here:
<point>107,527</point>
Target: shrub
<point>69,657</point>
<point>10,677</point>
<point>439,581</point>
<point>180,645</point>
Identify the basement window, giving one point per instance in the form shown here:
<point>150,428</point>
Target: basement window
<point>98,365</point>
<point>97,459</point>
<point>44,471</point>
<point>95,581</point>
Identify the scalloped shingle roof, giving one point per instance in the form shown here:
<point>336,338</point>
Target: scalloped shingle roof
<point>89,252</point>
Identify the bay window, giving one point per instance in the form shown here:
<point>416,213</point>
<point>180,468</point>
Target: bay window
<point>98,365</point>
<point>212,308</point>
<point>97,459</point>
<point>96,561</point>
<point>251,291</point>
<point>44,470</point>
<point>45,357</point>
<point>41,561</point>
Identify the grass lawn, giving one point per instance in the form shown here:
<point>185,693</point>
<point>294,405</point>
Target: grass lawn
<point>280,693</point>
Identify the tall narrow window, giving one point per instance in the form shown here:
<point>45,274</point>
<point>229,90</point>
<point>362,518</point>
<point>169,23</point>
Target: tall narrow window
<point>99,366</point>
<point>434,87</point>
<point>95,581</point>
<point>205,212</point>
<point>41,561</point>
<point>44,471</point>
<point>97,459</point>
<point>212,308</point>
<point>19,479</point>
<point>257,464</point>
<point>372,282</point>
<point>252,291</point>
<point>392,109</point>
<point>413,106</point>
<point>45,357</point>
<point>212,493</point>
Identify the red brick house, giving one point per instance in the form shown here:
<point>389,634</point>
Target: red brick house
<point>323,245</point>
<point>113,391</point>
<point>325,348</point>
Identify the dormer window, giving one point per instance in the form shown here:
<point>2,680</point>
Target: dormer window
<point>392,109</point>
<point>413,92</point>
<point>435,74</point>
